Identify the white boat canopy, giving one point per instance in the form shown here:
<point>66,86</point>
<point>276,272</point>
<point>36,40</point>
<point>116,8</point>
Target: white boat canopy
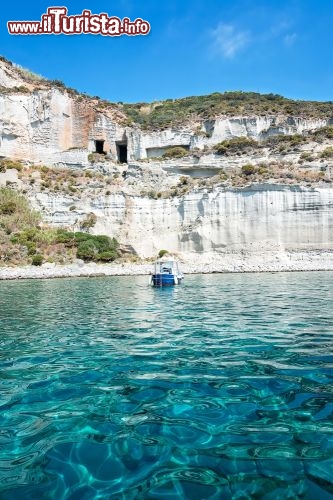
<point>166,266</point>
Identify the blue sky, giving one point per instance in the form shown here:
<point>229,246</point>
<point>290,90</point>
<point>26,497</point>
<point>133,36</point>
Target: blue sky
<point>194,47</point>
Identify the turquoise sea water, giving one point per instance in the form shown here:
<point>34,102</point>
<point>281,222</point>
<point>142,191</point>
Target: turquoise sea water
<point>220,388</point>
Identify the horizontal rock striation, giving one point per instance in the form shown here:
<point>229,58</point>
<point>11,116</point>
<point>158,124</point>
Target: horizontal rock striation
<point>254,219</point>
<point>48,125</point>
<point>52,125</point>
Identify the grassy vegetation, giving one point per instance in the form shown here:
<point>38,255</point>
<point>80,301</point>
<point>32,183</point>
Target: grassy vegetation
<point>236,144</point>
<point>8,164</point>
<point>67,181</point>
<point>178,112</point>
<point>28,75</point>
<point>274,171</point>
<point>96,157</point>
<point>161,253</point>
<point>276,143</point>
<point>16,89</point>
<point>306,156</point>
<point>15,215</point>
<point>171,112</point>
<point>323,133</point>
<point>90,247</point>
<point>248,169</point>
<point>175,152</point>
<point>289,140</point>
<point>327,153</point>
<point>24,240</point>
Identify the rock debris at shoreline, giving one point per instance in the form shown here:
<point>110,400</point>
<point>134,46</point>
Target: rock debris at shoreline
<point>283,261</point>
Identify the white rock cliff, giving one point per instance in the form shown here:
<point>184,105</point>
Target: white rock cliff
<point>49,126</point>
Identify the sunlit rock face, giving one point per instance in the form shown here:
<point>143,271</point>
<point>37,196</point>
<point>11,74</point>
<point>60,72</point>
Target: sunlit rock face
<point>51,125</point>
<point>262,218</point>
<point>155,143</point>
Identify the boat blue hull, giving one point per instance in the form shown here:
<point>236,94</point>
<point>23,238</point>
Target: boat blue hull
<point>163,279</point>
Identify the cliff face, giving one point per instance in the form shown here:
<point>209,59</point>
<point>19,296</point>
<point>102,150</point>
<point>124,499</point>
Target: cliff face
<point>253,219</point>
<point>51,126</point>
<point>214,131</point>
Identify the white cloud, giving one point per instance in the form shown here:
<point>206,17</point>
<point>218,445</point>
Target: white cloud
<point>290,39</point>
<point>227,40</point>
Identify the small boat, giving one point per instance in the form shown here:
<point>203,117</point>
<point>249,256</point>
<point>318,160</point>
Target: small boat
<point>166,273</point>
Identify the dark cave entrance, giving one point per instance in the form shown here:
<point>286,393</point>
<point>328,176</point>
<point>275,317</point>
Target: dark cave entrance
<point>122,152</point>
<point>99,145</point>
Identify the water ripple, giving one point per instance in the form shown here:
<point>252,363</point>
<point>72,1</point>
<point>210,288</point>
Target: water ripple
<point>221,388</point>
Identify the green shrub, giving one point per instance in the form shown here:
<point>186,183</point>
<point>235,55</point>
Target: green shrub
<point>152,194</point>
<point>305,155</point>
<point>159,115</point>
<point>327,153</point>
<point>107,256</point>
<point>324,132</point>
<point>223,175</point>
<point>287,140</point>
<point>8,164</point>
<point>161,253</point>
<point>22,89</point>
<point>96,157</point>
<point>184,180</point>
<point>19,228</point>
<point>57,83</point>
<point>234,144</point>
<point>89,221</point>
<point>8,208</point>
<point>103,243</point>
<point>86,250</point>
<point>175,152</point>
<point>37,260</point>
<point>28,75</point>
<point>15,212</point>
<point>262,170</point>
<point>31,246</point>
<point>64,236</point>
<point>248,169</point>
<point>96,247</point>
<point>220,149</point>
<point>27,235</point>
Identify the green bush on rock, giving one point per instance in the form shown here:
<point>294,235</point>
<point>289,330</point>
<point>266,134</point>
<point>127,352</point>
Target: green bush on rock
<point>37,260</point>
<point>236,144</point>
<point>248,169</point>
<point>175,152</point>
<point>94,247</point>
<point>86,250</point>
<point>161,253</point>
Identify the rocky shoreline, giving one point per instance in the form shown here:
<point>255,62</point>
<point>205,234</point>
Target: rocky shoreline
<point>192,264</point>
